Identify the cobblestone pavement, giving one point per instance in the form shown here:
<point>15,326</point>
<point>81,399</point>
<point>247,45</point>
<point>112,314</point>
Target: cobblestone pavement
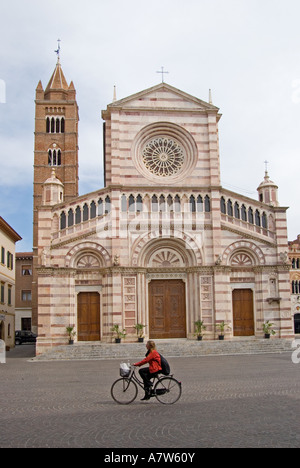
<point>227,401</point>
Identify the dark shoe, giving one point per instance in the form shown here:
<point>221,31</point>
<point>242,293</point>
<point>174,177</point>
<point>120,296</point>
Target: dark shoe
<point>147,395</point>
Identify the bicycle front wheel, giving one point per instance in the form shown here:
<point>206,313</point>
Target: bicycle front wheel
<point>167,390</point>
<point>124,391</point>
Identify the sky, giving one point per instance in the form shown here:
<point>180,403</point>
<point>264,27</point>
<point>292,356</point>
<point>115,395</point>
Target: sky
<point>246,51</point>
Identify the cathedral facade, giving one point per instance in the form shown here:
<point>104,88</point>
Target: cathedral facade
<point>163,244</point>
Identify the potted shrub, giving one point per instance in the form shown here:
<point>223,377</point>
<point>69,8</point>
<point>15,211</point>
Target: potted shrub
<point>199,327</point>
<point>120,333</point>
<point>268,330</point>
<point>139,330</point>
<point>71,332</point>
<point>222,326</point>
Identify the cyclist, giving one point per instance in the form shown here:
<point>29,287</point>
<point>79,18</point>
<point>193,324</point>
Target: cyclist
<point>153,359</point>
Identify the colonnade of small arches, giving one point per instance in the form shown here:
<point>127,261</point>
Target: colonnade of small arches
<point>83,213</point>
<point>240,211</point>
<point>165,203</point>
<point>157,203</point>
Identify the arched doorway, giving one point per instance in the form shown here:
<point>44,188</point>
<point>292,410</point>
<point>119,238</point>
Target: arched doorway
<point>167,309</point>
<point>88,316</point>
<point>297,323</point>
<point>243,315</point>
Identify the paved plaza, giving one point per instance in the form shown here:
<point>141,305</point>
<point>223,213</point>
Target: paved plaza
<point>227,401</point>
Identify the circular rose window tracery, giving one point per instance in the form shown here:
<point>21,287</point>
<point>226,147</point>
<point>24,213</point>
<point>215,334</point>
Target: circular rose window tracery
<point>163,156</point>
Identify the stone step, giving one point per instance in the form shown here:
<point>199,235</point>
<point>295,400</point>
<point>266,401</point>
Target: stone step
<point>169,348</point>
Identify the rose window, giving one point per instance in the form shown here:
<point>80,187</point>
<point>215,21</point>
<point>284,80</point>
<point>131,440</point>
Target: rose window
<point>163,156</point>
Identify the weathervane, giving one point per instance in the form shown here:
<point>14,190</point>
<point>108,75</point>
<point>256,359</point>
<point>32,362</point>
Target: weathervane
<point>266,163</point>
<point>58,49</point>
<point>162,74</point>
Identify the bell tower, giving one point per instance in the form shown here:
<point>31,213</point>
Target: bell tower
<point>55,147</point>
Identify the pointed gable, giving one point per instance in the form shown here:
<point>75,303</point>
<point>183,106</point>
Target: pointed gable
<point>163,96</point>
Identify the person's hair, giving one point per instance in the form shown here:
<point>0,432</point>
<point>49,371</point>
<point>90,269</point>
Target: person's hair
<point>151,345</point>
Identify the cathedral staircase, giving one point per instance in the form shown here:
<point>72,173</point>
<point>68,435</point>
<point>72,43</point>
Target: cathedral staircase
<point>169,348</point>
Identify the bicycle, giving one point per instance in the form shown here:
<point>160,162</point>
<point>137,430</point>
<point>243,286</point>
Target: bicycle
<point>166,390</point>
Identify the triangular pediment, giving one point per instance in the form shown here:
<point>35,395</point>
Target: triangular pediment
<point>163,96</point>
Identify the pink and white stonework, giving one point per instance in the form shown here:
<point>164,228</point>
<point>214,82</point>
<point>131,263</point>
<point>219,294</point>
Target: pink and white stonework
<point>162,244</point>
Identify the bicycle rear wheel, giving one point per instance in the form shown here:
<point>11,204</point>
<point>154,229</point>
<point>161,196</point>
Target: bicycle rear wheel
<point>167,390</point>
<point>124,391</point>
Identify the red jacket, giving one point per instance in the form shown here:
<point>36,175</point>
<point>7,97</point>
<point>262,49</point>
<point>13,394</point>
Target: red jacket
<point>154,361</point>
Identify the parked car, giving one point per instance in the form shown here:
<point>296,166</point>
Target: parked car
<point>24,337</point>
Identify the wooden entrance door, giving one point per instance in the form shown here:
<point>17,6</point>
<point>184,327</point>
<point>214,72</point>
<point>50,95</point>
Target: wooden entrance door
<point>167,314</point>
<point>88,316</point>
<point>243,317</point>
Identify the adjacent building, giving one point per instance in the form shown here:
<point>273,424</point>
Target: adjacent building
<point>294,254</point>
<point>8,239</point>
<point>24,276</point>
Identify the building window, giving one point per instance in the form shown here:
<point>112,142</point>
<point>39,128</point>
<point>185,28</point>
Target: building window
<point>223,205</point>
<point>244,213</point>
<point>63,221</point>
<point>295,287</point>
<point>78,215</point>
<point>70,218</point>
<point>192,204</point>
<point>100,207</point>
<point>9,295</point>
<point>107,205</point>
<point>296,263</point>
<point>250,216</point>
<point>2,255</point>
<point>297,323</point>
<point>26,296</point>
<point>93,210</point>
<point>154,204</point>
<point>55,125</point>
<point>257,218</point>
<point>139,203</point>
<point>131,203</point>
<point>26,270</point>
<point>236,210</point>
<point>85,212</point>
<point>123,204</point>
<point>2,296</point>
<point>264,221</point>
<point>10,261</point>
<point>229,208</point>
<point>207,204</point>
<point>54,157</point>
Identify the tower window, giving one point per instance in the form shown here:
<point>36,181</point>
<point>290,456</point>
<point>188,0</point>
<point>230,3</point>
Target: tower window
<point>54,157</point>
<point>55,125</point>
